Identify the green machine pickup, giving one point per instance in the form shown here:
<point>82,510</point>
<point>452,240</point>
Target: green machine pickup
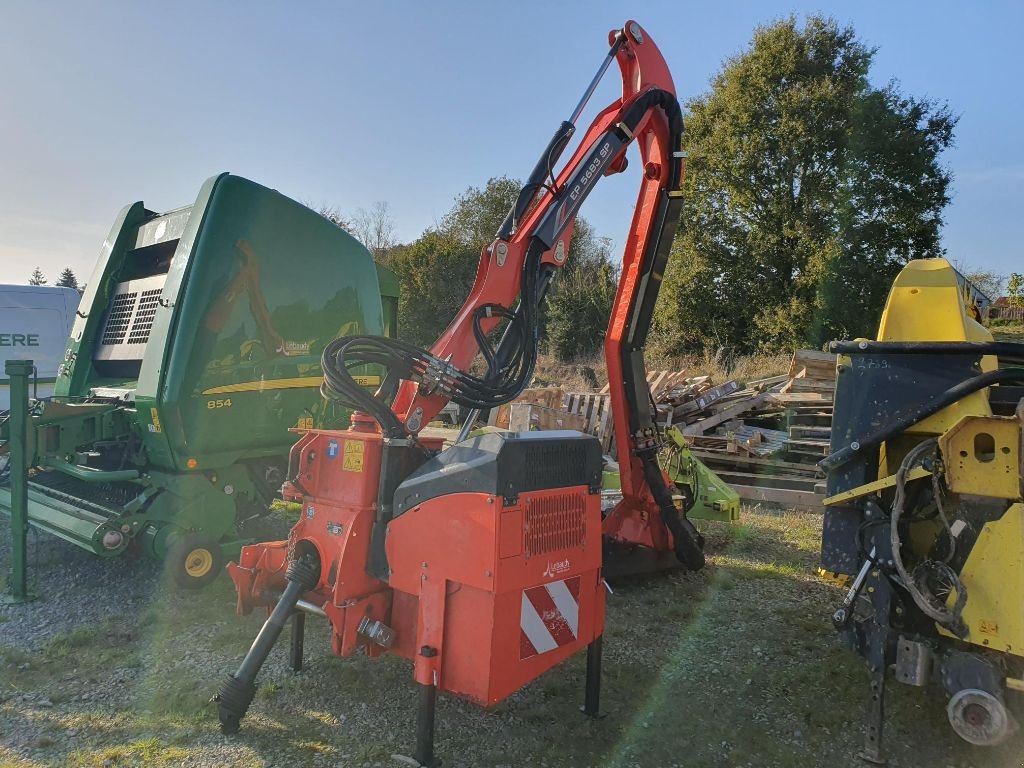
<point>703,494</point>
<point>196,348</point>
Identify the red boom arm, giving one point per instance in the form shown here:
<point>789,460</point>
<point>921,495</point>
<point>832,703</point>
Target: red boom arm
<point>530,246</point>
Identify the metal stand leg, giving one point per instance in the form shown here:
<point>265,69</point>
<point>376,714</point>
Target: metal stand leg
<point>298,632</point>
<point>17,464</point>
<point>875,715</point>
<point>424,754</point>
<point>592,694</point>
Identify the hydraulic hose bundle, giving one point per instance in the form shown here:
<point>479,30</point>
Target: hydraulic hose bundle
<point>917,582</point>
<point>510,365</point>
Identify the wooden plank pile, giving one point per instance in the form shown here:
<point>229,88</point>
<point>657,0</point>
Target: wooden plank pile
<point>544,397</point>
<point>527,417</point>
<point>764,438</point>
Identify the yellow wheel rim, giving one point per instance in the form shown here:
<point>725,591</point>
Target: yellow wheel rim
<point>198,562</point>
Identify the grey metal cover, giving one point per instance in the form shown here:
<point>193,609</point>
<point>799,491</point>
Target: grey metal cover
<point>129,319</point>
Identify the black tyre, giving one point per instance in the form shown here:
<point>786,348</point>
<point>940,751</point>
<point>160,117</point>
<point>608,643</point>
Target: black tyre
<point>194,561</point>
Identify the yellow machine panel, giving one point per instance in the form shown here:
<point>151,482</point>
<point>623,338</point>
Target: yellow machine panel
<point>994,579</point>
<point>982,456</point>
<point>925,505</point>
<point>926,304</point>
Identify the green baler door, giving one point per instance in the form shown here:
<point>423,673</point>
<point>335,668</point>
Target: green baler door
<point>267,285</point>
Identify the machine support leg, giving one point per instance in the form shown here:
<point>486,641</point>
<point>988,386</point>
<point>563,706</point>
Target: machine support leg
<point>592,693</point>
<point>298,636</point>
<point>424,754</point>
<point>239,689</point>
<point>874,717</point>
<point>18,371</point>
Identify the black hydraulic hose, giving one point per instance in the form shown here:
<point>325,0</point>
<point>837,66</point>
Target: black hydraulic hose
<point>509,368</point>
<point>689,544</point>
<point>656,97</point>
<point>239,689</point>
<point>900,423</point>
<point>537,179</point>
<point>1005,350</point>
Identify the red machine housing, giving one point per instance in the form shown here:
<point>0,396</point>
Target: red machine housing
<point>499,587</point>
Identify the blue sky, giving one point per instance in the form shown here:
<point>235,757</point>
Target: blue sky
<point>350,103</point>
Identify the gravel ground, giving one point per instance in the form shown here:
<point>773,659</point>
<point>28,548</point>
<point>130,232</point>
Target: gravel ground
<point>70,582</point>
<point>734,666</point>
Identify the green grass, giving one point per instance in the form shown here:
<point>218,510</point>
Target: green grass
<point>736,665</point>
<point>1008,332</point>
<point>67,643</point>
<point>146,752</point>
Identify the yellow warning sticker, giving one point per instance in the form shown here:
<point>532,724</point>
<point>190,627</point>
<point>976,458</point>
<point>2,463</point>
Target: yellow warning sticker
<point>353,459</point>
<point>367,381</point>
<point>155,426</point>
<point>304,422</point>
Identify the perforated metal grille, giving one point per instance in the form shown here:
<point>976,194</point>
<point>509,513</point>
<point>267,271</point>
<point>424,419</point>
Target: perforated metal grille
<point>129,319</point>
<point>550,465</point>
<point>119,317</point>
<point>144,315</point>
<point>554,522</point>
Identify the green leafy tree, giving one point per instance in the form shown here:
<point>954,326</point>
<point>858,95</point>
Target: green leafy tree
<point>37,277</point>
<point>581,299</point>
<point>67,279</point>
<point>436,274</point>
<point>807,189</point>
<point>437,271</point>
<point>478,213</point>
<point>1015,290</point>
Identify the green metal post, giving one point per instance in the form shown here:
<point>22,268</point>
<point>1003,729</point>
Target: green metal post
<point>19,371</point>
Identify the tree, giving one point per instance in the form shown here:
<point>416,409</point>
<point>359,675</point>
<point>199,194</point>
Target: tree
<point>375,228</point>
<point>807,190</point>
<point>436,273</point>
<point>67,279</point>
<point>37,277</point>
<point>581,299</point>
<point>335,216</point>
<point>988,281</point>
<point>478,213</point>
<point>1015,290</point>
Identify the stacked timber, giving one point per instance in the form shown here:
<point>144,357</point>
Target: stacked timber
<point>544,397</point>
<point>766,440</point>
<point>763,437</point>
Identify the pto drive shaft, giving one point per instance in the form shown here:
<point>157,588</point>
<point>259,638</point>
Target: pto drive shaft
<point>238,690</point>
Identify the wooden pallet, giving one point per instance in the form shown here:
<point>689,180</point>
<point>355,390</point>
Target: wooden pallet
<point>659,382</point>
<point>524,417</point>
<point>549,397</point>
<point>807,447</point>
<point>704,401</point>
<point>595,410</point>
<point>813,365</point>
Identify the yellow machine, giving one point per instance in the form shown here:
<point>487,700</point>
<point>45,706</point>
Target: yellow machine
<point>925,505</point>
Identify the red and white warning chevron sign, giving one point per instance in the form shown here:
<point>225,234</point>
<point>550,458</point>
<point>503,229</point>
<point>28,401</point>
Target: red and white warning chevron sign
<point>549,617</point>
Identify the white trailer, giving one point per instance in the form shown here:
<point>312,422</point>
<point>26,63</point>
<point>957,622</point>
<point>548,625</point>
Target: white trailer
<point>35,321</point>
